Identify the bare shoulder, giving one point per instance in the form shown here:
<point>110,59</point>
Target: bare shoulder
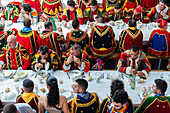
<point>62,97</point>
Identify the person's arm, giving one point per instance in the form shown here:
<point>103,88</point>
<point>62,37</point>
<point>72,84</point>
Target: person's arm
<point>25,59</point>
<point>65,105</point>
<point>67,63</point>
<point>40,104</point>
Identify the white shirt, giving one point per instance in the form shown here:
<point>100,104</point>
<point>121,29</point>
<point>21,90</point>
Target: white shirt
<point>24,108</point>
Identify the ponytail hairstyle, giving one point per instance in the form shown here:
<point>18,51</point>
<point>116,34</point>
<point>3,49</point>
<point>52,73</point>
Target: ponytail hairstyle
<point>53,95</point>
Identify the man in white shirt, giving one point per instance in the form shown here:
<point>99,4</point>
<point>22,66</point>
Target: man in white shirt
<point>18,108</point>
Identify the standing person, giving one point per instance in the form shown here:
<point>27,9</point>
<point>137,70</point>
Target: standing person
<point>158,103</point>
<point>52,102</point>
<point>84,101</point>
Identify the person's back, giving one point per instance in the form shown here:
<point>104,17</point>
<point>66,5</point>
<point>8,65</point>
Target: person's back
<point>52,102</point>
<point>77,36</point>
<point>159,42</point>
<point>102,41</point>
<point>27,38</point>
<point>131,37</point>
<point>28,96</point>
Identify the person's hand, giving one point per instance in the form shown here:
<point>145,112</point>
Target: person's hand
<point>140,74</point>
<point>112,23</point>
<point>65,24</point>
<point>69,60</point>
<point>26,15</point>
<point>77,60</point>
<point>43,61</point>
<point>59,29</point>
<point>39,65</point>
<point>134,71</point>
<point>163,13</point>
<point>1,67</point>
<point>57,20</point>
<point>91,23</point>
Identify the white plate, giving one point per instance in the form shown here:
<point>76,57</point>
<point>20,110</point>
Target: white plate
<point>43,73</point>
<point>66,93</point>
<point>9,96</point>
<point>21,74</point>
<point>7,73</point>
<point>145,94</point>
<point>8,23</point>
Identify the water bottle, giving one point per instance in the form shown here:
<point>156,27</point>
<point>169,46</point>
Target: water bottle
<point>133,82</point>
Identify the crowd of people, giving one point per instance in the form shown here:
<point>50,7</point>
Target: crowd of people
<point>28,49</point>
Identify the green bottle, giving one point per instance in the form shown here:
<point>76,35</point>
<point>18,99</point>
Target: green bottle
<point>133,82</point>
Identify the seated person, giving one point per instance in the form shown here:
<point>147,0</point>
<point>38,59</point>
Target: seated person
<point>53,102</point>
<point>83,4</point>
<point>34,4</point>
<point>70,13</point>
<point>119,103</point>
<point>91,12</point>
<point>131,36</point>
<point>158,103</point>
<point>77,36</point>
<point>84,101</point>
<point>28,35</point>
<point>159,42</point>
<point>28,12</point>
<point>115,85</point>
<point>160,11</point>
<point>10,13</point>
<point>134,60</point>
<point>28,96</point>
<point>140,15</point>
<point>102,41</point>
<point>50,38</point>
<point>45,59</point>
<point>5,34</point>
<point>14,55</point>
<point>76,59</point>
<point>18,108</point>
<point>110,4</point>
<point>117,13</point>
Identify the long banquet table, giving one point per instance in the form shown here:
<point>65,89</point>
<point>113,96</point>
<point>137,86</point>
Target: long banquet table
<point>102,88</point>
<point>146,28</point>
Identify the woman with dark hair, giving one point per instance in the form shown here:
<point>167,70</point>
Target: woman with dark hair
<point>52,102</point>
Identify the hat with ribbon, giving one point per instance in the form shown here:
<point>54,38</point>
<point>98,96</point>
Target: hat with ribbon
<point>161,23</point>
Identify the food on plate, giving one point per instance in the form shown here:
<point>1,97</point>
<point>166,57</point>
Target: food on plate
<point>7,90</point>
<point>61,89</point>
<point>43,90</point>
<point>60,81</point>
<point>141,80</point>
<point>89,78</point>
<point>21,74</point>
<point>40,26</point>
<point>146,94</point>
<point>118,22</point>
<point>143,88</point>
<point>117,27</point>
<point>6,73</point>
<point>16,79</point>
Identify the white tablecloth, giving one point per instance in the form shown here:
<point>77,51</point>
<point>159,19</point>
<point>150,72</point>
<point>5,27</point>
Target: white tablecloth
<point>102,88</point>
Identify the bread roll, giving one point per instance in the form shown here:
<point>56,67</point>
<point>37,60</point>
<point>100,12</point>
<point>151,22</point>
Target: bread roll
<point>143,88</point>
<point>89,79</point>
<point>60,81</point>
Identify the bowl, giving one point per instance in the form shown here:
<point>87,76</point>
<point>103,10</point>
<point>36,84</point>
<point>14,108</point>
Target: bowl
<point>21,74</point>
<point>7,73</point>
